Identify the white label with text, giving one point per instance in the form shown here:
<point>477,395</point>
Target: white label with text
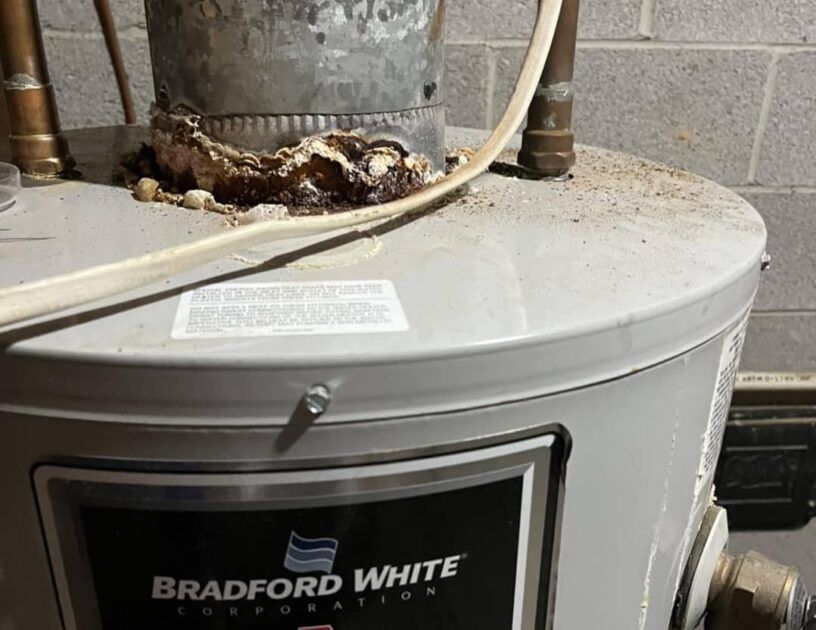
<point>289,308</point>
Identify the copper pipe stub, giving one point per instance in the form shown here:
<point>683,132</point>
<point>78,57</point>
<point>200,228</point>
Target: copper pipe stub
<point>108,25</point>
<point>4,128</point>
<point>547,146</point>
<point>37,144</point>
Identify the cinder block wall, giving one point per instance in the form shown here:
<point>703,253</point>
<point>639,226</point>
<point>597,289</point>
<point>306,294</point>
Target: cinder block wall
<point>724,88</point>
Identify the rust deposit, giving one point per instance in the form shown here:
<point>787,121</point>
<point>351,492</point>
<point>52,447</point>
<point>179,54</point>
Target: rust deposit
<point>334,171</point>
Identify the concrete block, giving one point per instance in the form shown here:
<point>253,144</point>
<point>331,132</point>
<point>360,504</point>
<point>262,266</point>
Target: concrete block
<point>507,62</point>
<point>466,72</point>
<point>792,21</point>
<point>80,16</point>
<point>84,81</point>
<point>485,19</point>
<point>609,19</point>
<point>788,154</point>
<point>780,341</point>
<point>790,283</point>
<point>693,108</point>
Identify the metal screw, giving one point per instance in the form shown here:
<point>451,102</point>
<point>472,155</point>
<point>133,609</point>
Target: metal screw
<point>317,399</point>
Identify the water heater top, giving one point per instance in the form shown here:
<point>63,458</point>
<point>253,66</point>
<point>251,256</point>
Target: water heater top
<point>515,289</point>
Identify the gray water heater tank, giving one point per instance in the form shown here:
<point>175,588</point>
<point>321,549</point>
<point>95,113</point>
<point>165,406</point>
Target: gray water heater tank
<point>420,424</point>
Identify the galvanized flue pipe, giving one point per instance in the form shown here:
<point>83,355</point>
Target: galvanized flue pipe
<point>263,75</point>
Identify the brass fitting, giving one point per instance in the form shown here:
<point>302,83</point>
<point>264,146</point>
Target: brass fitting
<point>747,592</point>
<point>547,146</point>
<point>37,144</point>
<point>4,128</point>
<point>750,592</point>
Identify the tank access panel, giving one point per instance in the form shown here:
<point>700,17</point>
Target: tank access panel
<point>474,532</point>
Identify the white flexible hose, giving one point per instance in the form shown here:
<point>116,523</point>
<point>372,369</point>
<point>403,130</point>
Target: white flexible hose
<point>42,297</point>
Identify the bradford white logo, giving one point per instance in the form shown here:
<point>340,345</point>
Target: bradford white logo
<point>305,555</point>
<point>309,555</point>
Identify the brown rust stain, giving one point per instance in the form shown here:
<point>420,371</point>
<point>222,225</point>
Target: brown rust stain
<point>438,25</point>
<point>337,170</point>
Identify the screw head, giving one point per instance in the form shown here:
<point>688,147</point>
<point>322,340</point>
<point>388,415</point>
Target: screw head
<point>317,399</point>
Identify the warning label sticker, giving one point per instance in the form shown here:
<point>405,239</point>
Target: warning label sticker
<point>721,401</point>
<point>289,308</point>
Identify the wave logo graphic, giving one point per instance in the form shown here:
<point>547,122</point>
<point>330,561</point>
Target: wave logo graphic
<point>308,555</point>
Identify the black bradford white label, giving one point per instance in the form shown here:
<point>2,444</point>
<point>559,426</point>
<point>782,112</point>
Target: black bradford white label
<point>445,560</point>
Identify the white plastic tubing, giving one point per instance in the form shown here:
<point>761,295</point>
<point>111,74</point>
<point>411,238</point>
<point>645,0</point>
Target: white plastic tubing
<point>41,297</point>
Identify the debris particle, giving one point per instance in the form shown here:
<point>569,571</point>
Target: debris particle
<point>454,158</point>
<point>146,189</point>
<point>262,212</point>
<point>198,199</point>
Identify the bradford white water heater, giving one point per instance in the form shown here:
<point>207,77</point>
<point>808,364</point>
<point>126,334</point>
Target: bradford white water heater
<point>420,424</point>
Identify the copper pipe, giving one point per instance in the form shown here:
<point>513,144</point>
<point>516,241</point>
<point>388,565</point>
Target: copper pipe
<point>4,129</point>
<point>547,146</point>
<point>37,144</point>
<point>108,25</point>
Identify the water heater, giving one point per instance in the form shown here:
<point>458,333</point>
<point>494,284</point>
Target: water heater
<point>416,424</point>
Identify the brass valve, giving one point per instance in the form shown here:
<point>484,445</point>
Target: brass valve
<point>747,592</point>
<point>751,592</point>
